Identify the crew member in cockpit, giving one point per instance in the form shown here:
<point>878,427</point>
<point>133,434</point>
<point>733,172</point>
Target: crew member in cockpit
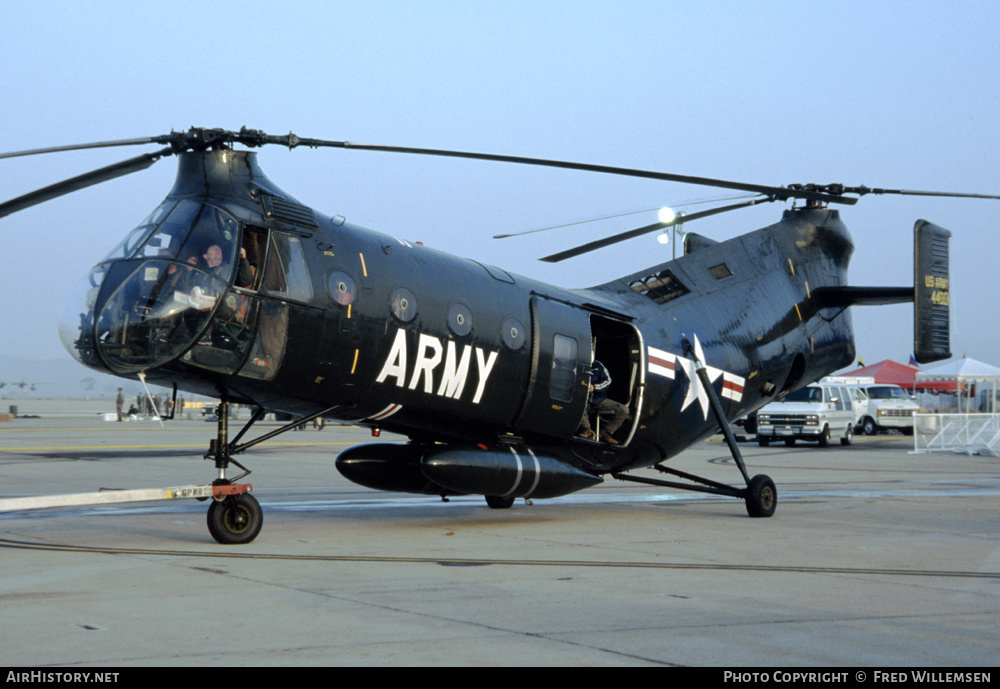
<point>246,271</point>
<point>213,261</point>
<point>214,266</point>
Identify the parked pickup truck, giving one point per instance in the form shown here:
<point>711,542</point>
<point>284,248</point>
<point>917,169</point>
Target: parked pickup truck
<point>817,412</point>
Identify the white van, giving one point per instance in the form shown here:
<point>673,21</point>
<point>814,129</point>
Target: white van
<point>880,407</point>
<point>817,412</point>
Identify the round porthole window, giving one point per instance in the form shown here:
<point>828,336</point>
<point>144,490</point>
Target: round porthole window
<point>512,333</point>
<point>403,304</point>
<point>459,319</point>
<point>342,288</point>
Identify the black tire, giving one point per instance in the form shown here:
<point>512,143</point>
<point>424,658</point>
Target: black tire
<point>869,426</point>
<point>235,520</point>
<point>824,438</point>
<point>499,503</point>
<point>761,496</point>
<point>790,442</point>
<point>848,436</point>
<point>763,442</point>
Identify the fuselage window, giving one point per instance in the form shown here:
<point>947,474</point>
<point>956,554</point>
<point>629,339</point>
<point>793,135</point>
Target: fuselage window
<point>342,288</point>
<point>403,304</point>
<point>459,319</point>
<point>661,287</point>
<point>269,344</point>
<point>512,333</point>
<point>287,274</point>
<point>720,271</point>
<point>564,351</point>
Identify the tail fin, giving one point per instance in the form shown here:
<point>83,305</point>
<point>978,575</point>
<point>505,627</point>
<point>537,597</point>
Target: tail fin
<point>929,294</point>
<point>931,313</point>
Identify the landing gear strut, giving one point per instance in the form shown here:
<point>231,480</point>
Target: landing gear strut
<point>760,494</point>
<point>232,519</point>
<point>237,517</point>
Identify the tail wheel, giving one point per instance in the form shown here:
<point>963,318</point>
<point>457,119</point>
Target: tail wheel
<point>761,496</point>
<point>235,520</point>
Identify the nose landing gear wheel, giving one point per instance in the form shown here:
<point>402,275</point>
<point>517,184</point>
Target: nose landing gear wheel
<point>235,520</point>
<point>761,496</point>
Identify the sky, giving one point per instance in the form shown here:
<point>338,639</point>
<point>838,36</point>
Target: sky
<point>891,94</point>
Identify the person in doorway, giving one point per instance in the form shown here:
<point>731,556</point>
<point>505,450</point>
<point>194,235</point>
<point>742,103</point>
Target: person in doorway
<point>598,401</point>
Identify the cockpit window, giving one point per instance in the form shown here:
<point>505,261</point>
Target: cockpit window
<point>195,233</point>
<point>136,237</point>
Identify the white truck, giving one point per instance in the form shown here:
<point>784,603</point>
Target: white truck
<point>817,412</point>
<point>882,407</point>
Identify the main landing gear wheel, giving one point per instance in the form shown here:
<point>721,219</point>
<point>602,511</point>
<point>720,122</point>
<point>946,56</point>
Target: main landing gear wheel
<point>235,520</point>
<point>761,496</point>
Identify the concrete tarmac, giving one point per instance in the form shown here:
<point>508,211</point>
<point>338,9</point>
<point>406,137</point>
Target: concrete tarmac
<point>875,558</point>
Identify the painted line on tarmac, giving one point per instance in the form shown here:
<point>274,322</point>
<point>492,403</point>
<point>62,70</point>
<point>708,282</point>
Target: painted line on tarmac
<point>198,446</point>
<point>468,562</point>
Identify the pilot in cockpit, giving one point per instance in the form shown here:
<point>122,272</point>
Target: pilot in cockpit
<point>215,266</point>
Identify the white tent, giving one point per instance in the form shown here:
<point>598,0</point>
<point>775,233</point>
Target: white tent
<point>965,371</point>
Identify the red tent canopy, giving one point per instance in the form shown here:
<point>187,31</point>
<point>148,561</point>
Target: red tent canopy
<point>888,372</point>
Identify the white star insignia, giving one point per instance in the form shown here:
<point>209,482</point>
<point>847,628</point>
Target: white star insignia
<point>695,389</point>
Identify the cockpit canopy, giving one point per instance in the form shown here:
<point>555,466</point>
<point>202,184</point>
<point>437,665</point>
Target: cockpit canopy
<point>180,230</point>
<point>153,295</point>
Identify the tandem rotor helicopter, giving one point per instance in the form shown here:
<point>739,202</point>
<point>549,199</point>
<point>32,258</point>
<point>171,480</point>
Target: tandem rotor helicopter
<point>233,289</point>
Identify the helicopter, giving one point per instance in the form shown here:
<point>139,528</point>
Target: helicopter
<point>23,385</point>
<point>233,289</point>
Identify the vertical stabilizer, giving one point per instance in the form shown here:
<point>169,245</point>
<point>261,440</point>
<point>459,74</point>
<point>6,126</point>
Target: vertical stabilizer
<point>931,315</point>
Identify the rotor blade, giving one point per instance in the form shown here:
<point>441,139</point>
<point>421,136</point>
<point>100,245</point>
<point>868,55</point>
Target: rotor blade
<point>67,186</point>
<point>779,193</point>
<point>571,224</point>
<point>621,215</point>
<point>78,147</point>
<point>862,190</point>
<point>829,193</point>
<point>630,234</point>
